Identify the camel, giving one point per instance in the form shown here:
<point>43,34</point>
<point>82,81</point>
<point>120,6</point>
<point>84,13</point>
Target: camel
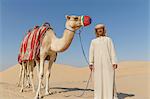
<point>49,47</point>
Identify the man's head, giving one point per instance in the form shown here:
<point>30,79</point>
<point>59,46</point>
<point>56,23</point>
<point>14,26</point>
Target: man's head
<point>100,30</point>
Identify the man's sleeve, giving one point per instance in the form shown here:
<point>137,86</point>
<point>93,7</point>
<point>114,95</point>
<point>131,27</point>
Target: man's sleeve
<point>113,53</point>
<point>91,54</point>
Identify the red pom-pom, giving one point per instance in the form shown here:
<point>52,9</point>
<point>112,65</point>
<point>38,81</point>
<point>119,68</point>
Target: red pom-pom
<point>86,20</point>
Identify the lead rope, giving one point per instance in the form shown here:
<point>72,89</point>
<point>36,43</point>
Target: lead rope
<point>82,46</point>
<point>90,76</point>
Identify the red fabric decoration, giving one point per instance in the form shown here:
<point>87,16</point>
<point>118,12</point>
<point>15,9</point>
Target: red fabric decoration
<point>86,20</point>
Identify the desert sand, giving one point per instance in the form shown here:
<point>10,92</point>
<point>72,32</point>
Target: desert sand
<point>132,82</point>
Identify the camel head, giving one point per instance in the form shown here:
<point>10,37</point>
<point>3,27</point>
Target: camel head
<point>73,22</point>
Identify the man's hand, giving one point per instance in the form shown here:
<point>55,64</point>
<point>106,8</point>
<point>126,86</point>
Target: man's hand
<point>115,66</point>
<point>91,67</point>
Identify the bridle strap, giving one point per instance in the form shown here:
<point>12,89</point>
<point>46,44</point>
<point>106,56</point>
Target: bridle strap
<point>70,30</point>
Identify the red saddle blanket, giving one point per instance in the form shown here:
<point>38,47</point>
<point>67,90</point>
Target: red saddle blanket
<point>30,45</point>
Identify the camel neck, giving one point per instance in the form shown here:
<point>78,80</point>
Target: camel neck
<point>62,44</point>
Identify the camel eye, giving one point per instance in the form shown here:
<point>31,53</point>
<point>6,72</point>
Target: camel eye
<point>76,18</point>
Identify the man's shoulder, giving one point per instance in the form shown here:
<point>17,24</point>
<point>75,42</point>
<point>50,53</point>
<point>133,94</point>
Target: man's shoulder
<point>94,40</point>
<point>109,38</point>
<point>97,39</point>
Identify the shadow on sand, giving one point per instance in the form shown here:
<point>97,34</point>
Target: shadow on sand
<point>63,90</point>
<point>70,89</point>
<point>124,95</point>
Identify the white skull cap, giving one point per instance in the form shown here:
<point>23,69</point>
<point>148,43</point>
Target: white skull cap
<point>99,26</point>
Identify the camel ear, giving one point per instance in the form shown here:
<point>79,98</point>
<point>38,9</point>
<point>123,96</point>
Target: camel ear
<point>67,17</point>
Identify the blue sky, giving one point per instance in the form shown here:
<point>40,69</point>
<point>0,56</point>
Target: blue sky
<point>127,23</point>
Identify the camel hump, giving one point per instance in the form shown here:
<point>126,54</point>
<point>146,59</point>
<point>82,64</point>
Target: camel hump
<point>44,25</point>
<point>36,26</point>
<point>31,29</point>
<point>47,25</point>
<point>30,45</point>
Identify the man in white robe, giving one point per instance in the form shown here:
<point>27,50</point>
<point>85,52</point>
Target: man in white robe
<point>102,59</point>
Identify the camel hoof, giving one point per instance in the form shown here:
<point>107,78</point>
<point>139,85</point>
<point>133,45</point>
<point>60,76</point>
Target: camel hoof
<point>28,86</point>
<point>21,90</point>
<point>38,97</point>
<point>47,93</point>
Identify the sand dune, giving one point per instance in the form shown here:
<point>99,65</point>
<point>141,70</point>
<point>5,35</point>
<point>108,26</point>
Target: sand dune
<point>132,81</point>
<point>134,78</point>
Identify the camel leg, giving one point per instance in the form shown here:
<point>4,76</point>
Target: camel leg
<point>31,67</point>
<point>41,74</point>
<point>38,70</point>
<point>20,75</point>
<point>27,74</point>
<point>23,76</point>
<point>38,67</point>
<point>48,72</point>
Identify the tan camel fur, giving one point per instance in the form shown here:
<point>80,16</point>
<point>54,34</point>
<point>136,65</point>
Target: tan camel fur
<point>50,46</point>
